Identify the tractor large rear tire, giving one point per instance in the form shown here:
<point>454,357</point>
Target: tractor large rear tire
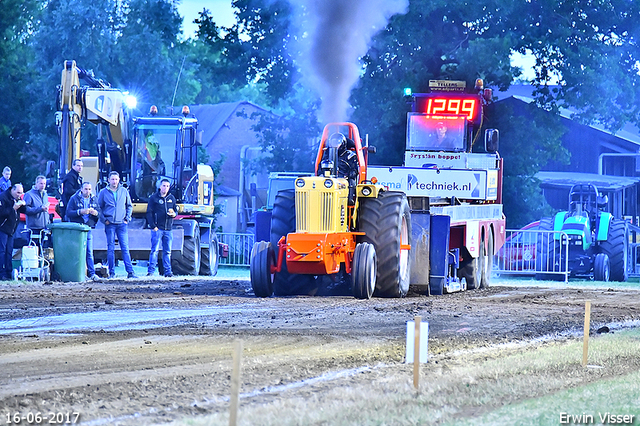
<point>616,247</point>
<point>386,222</point>
<point>189,262</point>
<point>283,222</point>
<point>549,253</point>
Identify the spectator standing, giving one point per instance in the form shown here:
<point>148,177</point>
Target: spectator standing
<point>11,205</point>
<point>83,208</point>
<point>71,183</point>
<point>115,207</point>
<point>5,180</point>
<point>37,204</point>
<point>161,210</point>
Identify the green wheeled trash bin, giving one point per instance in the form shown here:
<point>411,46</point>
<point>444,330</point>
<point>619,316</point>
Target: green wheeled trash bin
<point>70,250</point>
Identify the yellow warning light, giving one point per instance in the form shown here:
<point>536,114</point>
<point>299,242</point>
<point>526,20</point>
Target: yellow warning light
<point>374,180</point>
<point>479,84</point>
<point>153,110</point>
<point>185,110</point>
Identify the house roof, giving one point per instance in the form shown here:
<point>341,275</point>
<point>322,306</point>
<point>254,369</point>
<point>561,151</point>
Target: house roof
<point>524,93</point>
<point>212,117</point>
<point>602,182</point>
<point>225,191</point>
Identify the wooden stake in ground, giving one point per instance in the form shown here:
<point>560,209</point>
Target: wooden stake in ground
<point>587,320</point>
<point>235,384</point>
<point>416,353</point>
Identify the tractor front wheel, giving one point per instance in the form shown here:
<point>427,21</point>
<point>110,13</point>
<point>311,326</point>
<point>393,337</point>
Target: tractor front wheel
<point>262,259</point>
<point>601,269</point>
<point>363,274</point>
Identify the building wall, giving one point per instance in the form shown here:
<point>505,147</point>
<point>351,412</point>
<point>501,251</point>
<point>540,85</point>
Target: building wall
<point>230,135</point>
<point>228,141</point>
<point>227,219</point>
<point>586,144</point>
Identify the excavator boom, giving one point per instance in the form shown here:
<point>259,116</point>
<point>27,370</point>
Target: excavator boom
<point>97,103</point>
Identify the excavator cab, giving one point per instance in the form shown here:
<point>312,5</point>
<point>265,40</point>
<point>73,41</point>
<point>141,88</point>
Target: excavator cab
<point>154,150</point>
<point>165,148</point>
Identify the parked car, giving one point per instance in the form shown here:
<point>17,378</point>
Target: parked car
<point>519,250</point>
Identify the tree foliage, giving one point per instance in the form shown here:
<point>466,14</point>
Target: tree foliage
<point>132,45</point>
<point>258,52</point>
<point>16,24</point>
<point>258,48</point>
<point>290,139</point>
<point>592,48</point>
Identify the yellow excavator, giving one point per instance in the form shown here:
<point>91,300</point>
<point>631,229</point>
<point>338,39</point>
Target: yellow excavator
<point>143,150</point>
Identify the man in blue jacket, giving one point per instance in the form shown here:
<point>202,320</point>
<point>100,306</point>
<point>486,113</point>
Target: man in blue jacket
<point>161,210</point>
<point>114,203</point>
<point>83,208</point>
<point>11,205</point>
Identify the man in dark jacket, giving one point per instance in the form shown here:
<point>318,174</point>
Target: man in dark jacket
<point>71,183</point>
<point>115,206</point>
<point>37,203</point>
<point>161,210</point>
<point>11,205</point>
<point>83,208</point>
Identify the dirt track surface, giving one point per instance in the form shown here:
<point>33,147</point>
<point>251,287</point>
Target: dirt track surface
<point>149,352</point>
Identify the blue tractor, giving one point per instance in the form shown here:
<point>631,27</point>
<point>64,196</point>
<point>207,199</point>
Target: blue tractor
<point>591,244</point>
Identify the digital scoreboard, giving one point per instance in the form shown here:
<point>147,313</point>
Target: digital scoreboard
<point>460,104</point>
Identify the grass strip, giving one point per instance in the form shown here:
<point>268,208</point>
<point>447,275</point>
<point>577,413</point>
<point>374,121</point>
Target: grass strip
<point>528,386</point>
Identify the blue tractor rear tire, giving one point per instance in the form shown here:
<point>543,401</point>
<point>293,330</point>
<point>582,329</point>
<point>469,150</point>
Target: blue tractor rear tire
<point>617,248</point>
